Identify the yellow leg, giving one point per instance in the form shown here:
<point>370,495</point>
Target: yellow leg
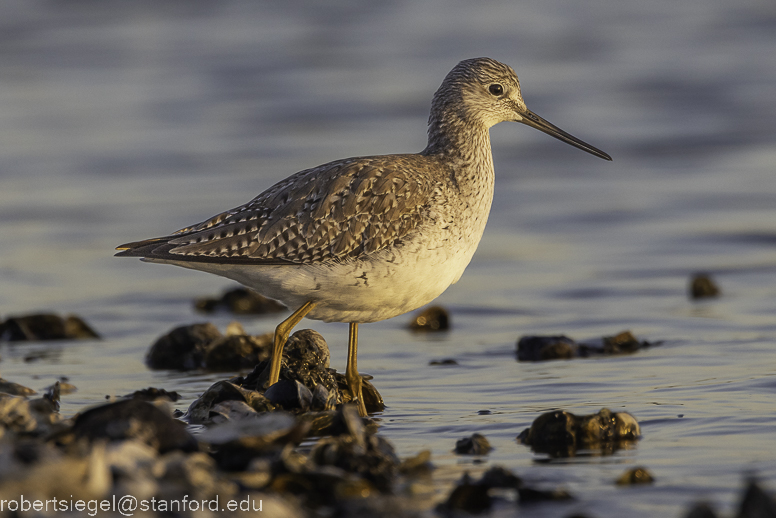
<point>281,337</point>
<point>351,371</point>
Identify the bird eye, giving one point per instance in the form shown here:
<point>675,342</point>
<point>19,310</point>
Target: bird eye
<point>496,89</point>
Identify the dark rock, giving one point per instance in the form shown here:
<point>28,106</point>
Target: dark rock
<point>290,395</point>
<point>447,361</point>
<point>14,389</point>
<point>373,401</point>
<point>756,503</point>
<point>305,359</point>
<point>30,417</point>
<point>323,399</point>
<point>435,318</point>
<point>152,394</point>
<point>362,505</point>
<point>702,286</point>
<point>364,454</point>
<point>183,348</point>
<point>637,475</point>
<point>701,510</point>
<point>475,445</point>
<point>343,420</point>
<point>236,444</point>
<point>231,410</point>
<point>621,343</point>
<point>45,327</point>
<point>500,477</point>
<point>240,301</point>
<point>475,497</point>
<point>134,419</point>
<point>468,497</point>
<point>561,434</point>
<point>201,409</point>
<point>202,346</point>
<point>235,352</point>
<point>541,348</point>
<point>28,451</point>
<point>419,465</point>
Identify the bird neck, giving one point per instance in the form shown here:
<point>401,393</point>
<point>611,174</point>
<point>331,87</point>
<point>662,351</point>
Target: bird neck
<point>462,144</point>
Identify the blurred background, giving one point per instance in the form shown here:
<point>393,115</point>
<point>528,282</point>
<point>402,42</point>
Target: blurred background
<point>121,121</point>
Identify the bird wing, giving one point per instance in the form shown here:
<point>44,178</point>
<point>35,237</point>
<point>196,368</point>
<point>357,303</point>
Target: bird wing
<point>336,211</point>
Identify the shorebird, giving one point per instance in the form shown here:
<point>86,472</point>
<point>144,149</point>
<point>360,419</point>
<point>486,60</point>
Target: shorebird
<point>364,239</point>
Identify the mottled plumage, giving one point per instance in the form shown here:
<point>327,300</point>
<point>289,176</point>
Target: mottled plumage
<point>364,239</point>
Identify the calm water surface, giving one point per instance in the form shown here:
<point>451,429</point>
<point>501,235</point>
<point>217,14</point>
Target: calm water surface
<point>123,122</point>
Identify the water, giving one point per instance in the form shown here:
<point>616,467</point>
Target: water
<point>120,122</point>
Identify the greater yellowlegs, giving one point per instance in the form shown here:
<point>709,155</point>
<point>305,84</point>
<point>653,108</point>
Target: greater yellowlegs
<point>364,239</point>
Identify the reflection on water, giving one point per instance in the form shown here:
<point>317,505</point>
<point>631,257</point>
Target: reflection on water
<point>121,121</point>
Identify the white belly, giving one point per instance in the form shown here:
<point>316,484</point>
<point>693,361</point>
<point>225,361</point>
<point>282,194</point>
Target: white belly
<point>382,286</point>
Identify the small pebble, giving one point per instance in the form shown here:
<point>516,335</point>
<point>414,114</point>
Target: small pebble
<point>702,286</point>
<point>435,318</point>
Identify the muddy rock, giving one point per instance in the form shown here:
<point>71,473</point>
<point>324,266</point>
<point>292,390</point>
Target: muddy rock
<point>202,346</point>
<point>702,286</point>
<point>418,466</point>
<point>290,395</point>
<point>622,343</point>
<point>239,301</point>
<point>701,510</point>
<point>475,497</point>
<point>323,399</point>
<point>338,422</point>
<point>27,417</point>
<point>475,445</point>
<point>756,503</point>
<point>153,394</point>
<point>134,419</point>
<point>542,348</point>
<point>204,408</point>
<point>305,359</point>
<point>14,389</point>
<point>369,456</point>
<point>376,506</point>
<point>51,474</point>
<point>633,476</point>
<point>45,327</point>
<point>561,434</point>
<point>435,318</point>
<point>339,470</point>
<point>235,352</point>
<point>183,348</point>
<point>467,496</point>
<point>235,444</point>
<point>373,401</point>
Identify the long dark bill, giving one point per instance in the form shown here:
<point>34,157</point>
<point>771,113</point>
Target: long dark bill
<point>533,120</point>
